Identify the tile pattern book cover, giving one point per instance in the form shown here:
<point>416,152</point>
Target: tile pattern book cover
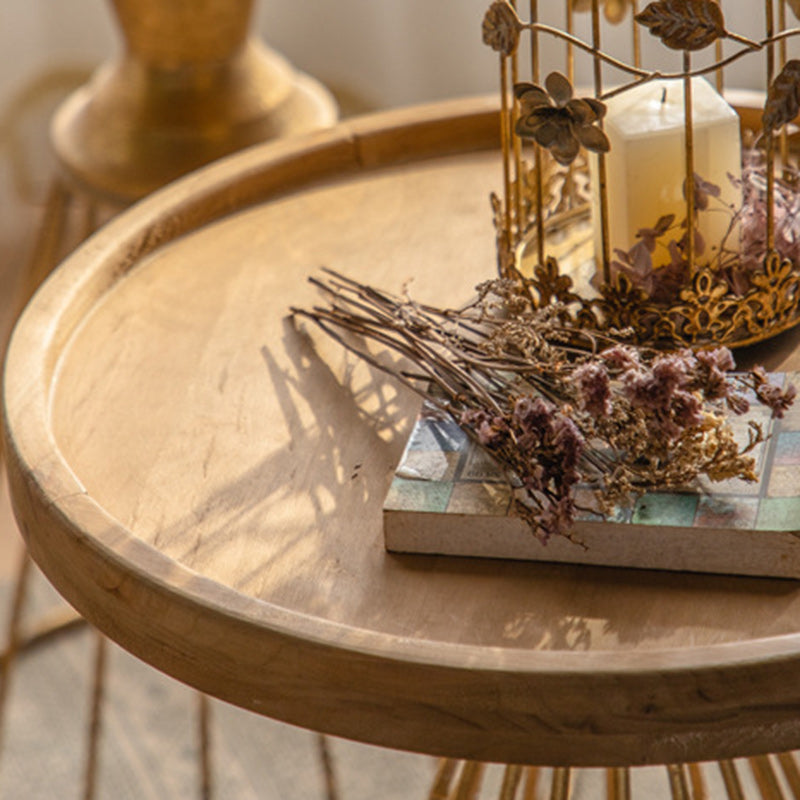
<point>448,496</point>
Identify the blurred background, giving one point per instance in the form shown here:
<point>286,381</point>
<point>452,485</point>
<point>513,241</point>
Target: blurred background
<point>380,54</point>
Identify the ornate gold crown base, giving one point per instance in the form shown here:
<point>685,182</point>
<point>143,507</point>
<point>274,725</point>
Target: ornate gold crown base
<point>135,126</point>
<point>705,311</point>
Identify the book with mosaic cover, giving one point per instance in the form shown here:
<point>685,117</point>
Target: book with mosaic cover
<point>449,497</point>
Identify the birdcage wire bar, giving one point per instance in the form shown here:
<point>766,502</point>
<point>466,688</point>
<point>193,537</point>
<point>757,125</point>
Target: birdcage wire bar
<point>542,191</point>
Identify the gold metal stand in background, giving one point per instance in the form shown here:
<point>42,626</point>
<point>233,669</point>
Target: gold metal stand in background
<point>190,87</point>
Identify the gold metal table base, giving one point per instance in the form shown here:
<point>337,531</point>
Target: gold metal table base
<point>773,777</point>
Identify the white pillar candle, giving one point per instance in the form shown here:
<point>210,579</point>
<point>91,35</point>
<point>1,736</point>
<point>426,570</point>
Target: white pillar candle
<point>646,165</point>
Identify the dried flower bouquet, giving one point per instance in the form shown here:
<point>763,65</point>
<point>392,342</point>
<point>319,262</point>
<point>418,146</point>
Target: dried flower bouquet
<point>658,262</point>
<point>556,405</point>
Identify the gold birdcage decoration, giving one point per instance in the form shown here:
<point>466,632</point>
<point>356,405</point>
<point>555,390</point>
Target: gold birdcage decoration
<point>646,201</point>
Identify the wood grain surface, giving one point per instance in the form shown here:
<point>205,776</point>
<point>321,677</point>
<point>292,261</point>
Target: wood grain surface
<point>203,478</point>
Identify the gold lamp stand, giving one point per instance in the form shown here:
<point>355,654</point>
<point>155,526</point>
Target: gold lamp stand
<point>191,86</point>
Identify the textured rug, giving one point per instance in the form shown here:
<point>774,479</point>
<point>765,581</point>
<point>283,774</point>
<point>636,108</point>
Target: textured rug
<point>149,745</point>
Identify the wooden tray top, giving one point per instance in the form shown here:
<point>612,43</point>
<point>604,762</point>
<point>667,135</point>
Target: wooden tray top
<point>203,480</point>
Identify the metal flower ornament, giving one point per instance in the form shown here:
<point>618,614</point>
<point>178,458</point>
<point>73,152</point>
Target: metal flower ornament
<point>559,122</point>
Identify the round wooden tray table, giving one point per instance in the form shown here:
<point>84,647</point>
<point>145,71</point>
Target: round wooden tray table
<point>202,479</point>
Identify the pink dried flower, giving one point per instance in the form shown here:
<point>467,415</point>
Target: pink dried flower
<point>533,414</point>
<point>653,389</point>
<point>594,388</point>
<point>649,236</point>
<point>621,357</point>
<point>703,189</point>
<point>712,366</point>
<point>664,392</point>
<point>569,445</point>
<point>737,403</point>
<point>719,357</point>
<point>776,399</point>
<point>667,280</point>
<point>640,389</point>
<point>743,249</point>
<point>686,409</point>
<point>472,417</point>
<point>772,396</point>
<point>491,431</point>
<point>671,371</point>
<point>636,263</point>
<point>557,516</point>
<point>753,219</point>
<point>659,431</point>
<point>715,386</point>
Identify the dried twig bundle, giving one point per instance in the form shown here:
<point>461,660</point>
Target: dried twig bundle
<point>556,405</point>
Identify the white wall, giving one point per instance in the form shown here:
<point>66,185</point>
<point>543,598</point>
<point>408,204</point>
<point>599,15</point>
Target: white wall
<point>395,53</point>
<point>389,52</point>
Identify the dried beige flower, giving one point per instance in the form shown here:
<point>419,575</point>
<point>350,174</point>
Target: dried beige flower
<point>558,405</point>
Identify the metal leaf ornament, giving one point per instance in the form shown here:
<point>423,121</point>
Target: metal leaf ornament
<point>783,98</point>
<point>684,24</point>
<point>559,122</point>
<point>501,28</point>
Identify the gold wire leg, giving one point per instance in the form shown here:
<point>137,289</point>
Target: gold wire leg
<point>53,623</point>
<point>469,782</point>
<point>677,782</point>
<point>531,783</point>
<point>445,771</point>
<point>326,757</point>
<point>782,53</point>
<point>512,776</point>
<point>562,780</point>
<point>204,725</point>
<point>13,638</point>
<point>766,778</point>
<point>98,688</point>
<point>791,772</point>
<point>697,782</point>
<point>731,779</point>
<point>47,247</point>
<point>618,784</point>
<point>89,219</point>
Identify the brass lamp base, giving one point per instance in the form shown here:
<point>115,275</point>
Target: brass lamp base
<point>136,126</point>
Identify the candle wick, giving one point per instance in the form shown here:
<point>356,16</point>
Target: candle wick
<point>663,94</point>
